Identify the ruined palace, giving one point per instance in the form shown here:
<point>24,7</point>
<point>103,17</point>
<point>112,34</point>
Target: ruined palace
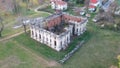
<point>57,29</point>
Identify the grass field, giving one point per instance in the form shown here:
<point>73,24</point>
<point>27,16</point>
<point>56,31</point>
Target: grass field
<point>13,56</point>
<point>100,51</point>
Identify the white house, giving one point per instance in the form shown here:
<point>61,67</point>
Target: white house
<point>93,4</point>
<point>56,30</point>
<point>58,4</point>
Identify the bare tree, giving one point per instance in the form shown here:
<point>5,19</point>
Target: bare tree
<point>27,2</point>
<point>107,16</point>
<point>24,22</point>
<point>24,25</point>
<point>86,2</point>
<point>16,7</point>
<point>1,26</point>
<point>113,7</point>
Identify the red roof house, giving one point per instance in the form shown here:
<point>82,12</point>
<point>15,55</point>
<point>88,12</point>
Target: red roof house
<point>93,4</point>
<point>58,4</point>
<point>93,1</point>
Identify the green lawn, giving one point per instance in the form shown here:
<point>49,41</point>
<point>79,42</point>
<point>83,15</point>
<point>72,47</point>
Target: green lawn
<point>12,56</point>
<point>100,51</point>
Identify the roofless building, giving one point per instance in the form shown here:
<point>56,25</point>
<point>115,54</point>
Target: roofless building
<point>57,30</point>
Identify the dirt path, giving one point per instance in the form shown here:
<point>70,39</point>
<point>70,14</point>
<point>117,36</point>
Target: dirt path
<point>11,36</point>
<point>41,6</point>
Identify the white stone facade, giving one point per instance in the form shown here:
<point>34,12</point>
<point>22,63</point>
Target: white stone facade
<point>58,41</point>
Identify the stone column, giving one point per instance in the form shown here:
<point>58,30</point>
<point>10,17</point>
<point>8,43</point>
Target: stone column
<point>63,42</point>
<point>62,39</point>
<point>42,35</point>
<point>31,33</point>
<point>58,46</point>
<point>45,37</point>
<point>85,26</point>
<point>69,38</point>
<point>31,30</point>
<point>75,28</point>
<point>34,32</point>
<point>48,41</point>
<point>78,30</point>
<point>71,30</point>
<point>52,41</point>
<point>39,36</point>
<point>82,29</point>
<point>36,35</point>
<point>66,41</point>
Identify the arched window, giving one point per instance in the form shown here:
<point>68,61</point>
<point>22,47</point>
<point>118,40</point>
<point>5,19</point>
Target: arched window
<point>36,35</point>
<point>55,43</point>
<point>40,36</point>
<point>67,39</point>
<point>61,43</point>
<point>77,30</point>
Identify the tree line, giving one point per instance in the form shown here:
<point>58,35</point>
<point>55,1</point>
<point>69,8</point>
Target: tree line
<point>15,6</point>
